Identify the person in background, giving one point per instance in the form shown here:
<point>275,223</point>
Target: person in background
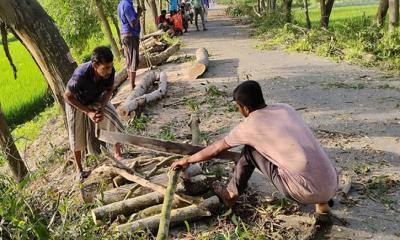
<point>177,22</point>
<point>185,18</point>
<point>130,32</point>
<point>206,7</point>
<point>163,23</point>
<point>173,6</point>
<point>198,6</point>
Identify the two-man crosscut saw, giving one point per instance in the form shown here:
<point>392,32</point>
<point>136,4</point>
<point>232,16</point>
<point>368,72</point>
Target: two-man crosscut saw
<point>159,145</point>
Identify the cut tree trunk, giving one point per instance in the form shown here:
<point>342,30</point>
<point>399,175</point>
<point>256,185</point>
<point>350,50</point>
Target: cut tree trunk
<point>131,105</point>
<point>201,64</point>
<point>30,24</point>
<point>190,213</point>
<point>7,146</point>
<point>107,28</point>
<point>308,21</point>
<point>326,9</point>
<point>165,216</point>
<point>393,15</point>
<point>382,12</point>
<point>157,59</point>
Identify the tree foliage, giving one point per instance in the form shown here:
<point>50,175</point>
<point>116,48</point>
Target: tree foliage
<point>77,21</point>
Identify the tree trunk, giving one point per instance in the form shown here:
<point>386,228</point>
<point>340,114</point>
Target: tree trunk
<point>160,7</point>
<point>326,9</point>
<point>201,64</point>
<point>382,11</point>
<point>393,15</point>
<point>36,30</point>
<point>7,146</point>
<point>142,17</point>
<point>115,23</point>
<point>165,216</point>
<point>308,22</point>
<point>288,10</point>
<point>107,28</point>
<point>153,8</point>
<point>190,213</point>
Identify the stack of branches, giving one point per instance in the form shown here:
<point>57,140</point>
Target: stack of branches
<point>138,203</point>
<point>154,51</point>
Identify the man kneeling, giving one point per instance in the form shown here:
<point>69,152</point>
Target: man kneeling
<point>278,142</point>
<point>87,104</point>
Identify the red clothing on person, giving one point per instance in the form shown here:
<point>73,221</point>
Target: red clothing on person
<point>161,19</point>
<point>178,22</point>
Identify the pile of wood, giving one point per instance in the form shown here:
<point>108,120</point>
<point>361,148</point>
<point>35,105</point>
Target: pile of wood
<point>154,51</point>
<point>138,203</point>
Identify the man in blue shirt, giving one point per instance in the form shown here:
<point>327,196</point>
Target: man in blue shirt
<point>130,32</point>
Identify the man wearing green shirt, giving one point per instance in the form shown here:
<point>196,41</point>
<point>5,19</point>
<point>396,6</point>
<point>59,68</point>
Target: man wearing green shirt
<point>198,6</point>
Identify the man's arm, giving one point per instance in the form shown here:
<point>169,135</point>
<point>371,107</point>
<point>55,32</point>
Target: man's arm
<point>71,99</point>
<point>106,97</point>
<point>203,155</point>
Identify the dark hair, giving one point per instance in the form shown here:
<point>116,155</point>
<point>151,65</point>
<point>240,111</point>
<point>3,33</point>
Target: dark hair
<point>249,94</point>
<point>163,11</point>
<point>102,55</point>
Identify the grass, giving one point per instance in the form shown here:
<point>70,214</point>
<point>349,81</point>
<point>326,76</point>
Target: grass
<point>22,98</point>
<point>25,133</point>
<point>352,35</point>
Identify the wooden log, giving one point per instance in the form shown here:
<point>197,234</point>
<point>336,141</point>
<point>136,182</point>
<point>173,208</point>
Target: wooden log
<point>118,194</point>
<point>189,213</point>
<point>152,172</point>
<point>158,58</point>
<point>157,48</point>
<point>157,188</point>
<point>154,34</point>
<point>99,178</point>
<point>132,104</point>
<point>132,205</point>
<point>165,216</point>
<point>156,209</point>
<point>195,130</point>
<point>201,64</point>
<point>126,207</point>
<point>194,124</point>
<point>148,43</point>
